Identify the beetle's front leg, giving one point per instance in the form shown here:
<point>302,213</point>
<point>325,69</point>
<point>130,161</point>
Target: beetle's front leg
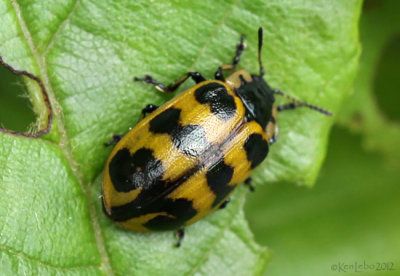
<point>196,76</point>
<point>239,50</point>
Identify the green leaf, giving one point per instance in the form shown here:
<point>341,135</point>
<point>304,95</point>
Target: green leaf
<point>44,218</point>
<point>86,53</point>
<point>367,111</point>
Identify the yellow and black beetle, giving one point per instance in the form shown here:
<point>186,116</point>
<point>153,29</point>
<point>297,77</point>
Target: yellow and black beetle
<point>182,161</point>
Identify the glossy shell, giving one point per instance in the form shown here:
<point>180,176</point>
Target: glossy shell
<point>183,160</point>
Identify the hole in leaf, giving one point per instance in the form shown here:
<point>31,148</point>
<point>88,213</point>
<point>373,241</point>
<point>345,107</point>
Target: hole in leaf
<point>15,108</point>
<point>387,81</point>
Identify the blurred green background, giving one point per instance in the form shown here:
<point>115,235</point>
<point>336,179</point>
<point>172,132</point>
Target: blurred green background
<point>352,214</point>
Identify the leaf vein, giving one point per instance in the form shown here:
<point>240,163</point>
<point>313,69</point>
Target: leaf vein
<point>64,145</point>
<point>60,27</point>
<point>213,245</point>
<point>24,255</point>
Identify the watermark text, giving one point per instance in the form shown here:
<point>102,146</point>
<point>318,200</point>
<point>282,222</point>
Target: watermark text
<point>363,266</point>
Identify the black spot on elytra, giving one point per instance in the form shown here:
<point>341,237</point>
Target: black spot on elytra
<point>141,169</point>
<point>221,103</point>
<point>191,140</point>
<point>256,149</point>
<point>166,121</point>
<point>180,210</point>
<point>154,200</point>
<point>218,177</point>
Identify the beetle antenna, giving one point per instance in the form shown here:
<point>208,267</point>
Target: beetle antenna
<point>260,44</point>
<point>295,103</point>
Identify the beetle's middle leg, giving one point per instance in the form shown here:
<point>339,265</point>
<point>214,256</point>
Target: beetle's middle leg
<point>115,139</point>
<point>147,110</point>
<point>239,50</point>
<point>180,234</point>
<point>196,76</point>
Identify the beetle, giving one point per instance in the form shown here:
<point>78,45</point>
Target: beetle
<point>183,159</point>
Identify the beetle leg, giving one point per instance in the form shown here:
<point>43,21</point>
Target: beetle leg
<point>239,50</point>
<point>225,203</point>
<point>219,75</point>
<point>272,129</point>
<point>196,76</point>
<point>273,139</point>
<point>148,109</point>
<point>115,139</point>
<point>179,235</point>
<point>247,182</point>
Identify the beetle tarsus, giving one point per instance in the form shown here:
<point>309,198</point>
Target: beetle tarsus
<point>236,59</point>
<point>219,75</point>
<point>196,76</point>
<point>115,139</point>
<point>148,109</point>
<point>239,50</point>
<point>273,140</point>
<point>149,79</point>
<point>225,203</point>
<point>247,182</point>
<point>180,234</point>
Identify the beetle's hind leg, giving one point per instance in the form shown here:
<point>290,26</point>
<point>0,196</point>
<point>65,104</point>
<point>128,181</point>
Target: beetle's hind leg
<point>196,76</point>
<point>180,234</point>
<point>236,59</point>
<point>247,182</point>
<point>225,203</point>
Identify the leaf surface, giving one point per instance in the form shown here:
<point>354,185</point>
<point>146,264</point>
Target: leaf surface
<point>86,53</point>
